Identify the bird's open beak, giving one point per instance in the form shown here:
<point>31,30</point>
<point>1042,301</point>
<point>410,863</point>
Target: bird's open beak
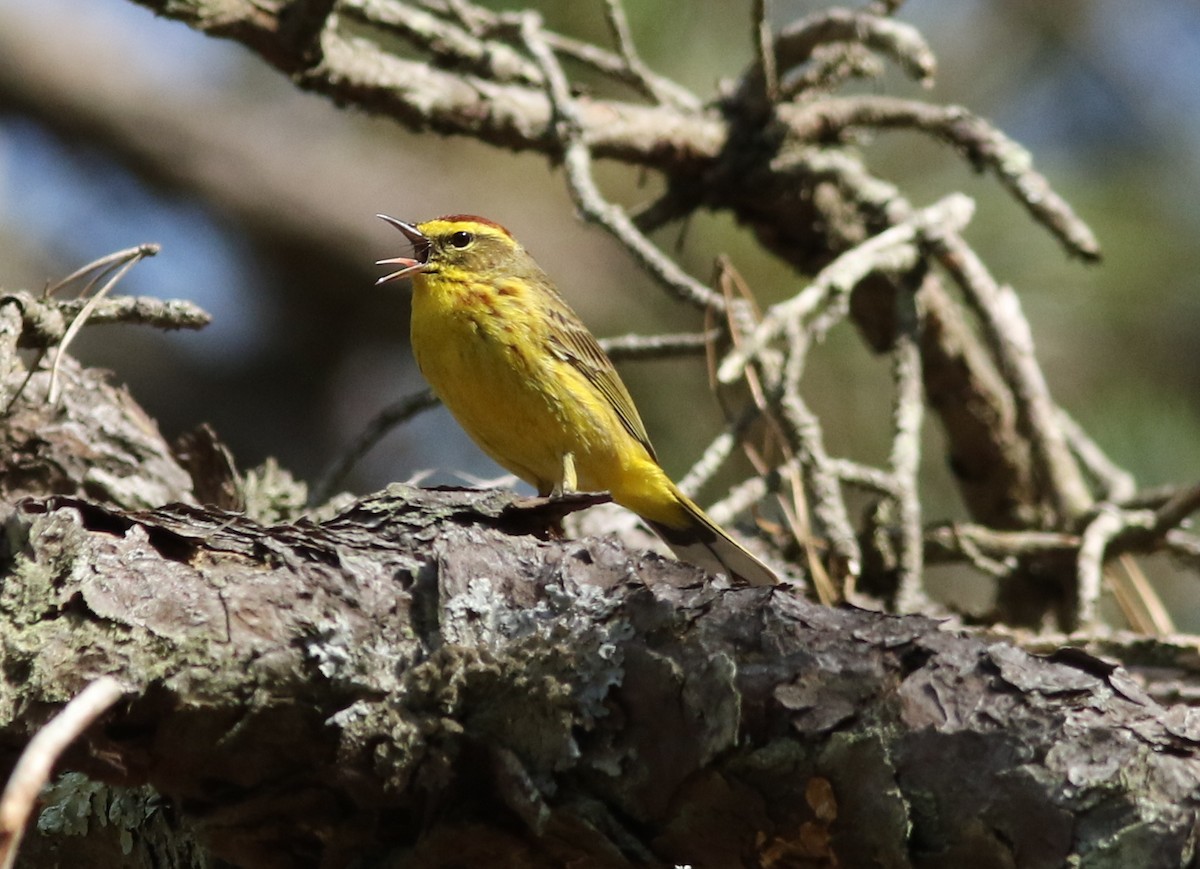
<point>408,265</point>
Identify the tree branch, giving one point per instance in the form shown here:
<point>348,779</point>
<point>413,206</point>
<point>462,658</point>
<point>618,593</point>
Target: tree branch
<point>371,661</point>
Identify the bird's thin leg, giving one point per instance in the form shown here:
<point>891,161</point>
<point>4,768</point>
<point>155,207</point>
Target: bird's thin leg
<point>567,482</point>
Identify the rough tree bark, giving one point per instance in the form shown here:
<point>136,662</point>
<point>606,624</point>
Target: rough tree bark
<point>429,678</point>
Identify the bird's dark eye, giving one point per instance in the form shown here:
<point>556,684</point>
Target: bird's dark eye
<point>461,239</point>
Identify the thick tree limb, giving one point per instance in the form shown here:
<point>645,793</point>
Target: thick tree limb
<point>410,673</point>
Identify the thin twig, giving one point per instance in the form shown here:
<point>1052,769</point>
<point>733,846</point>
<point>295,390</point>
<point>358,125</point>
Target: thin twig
<point>1176,511</point>
<point>1183,546</point>
<point>905,461</point>
<point>804,432</point>
<point>945,542</point>
<point>45,320</point>
<point>644,347</point>
<point>466,13</point>
<point>1149,499</point>
<point>141,311</point>
<point>767,380</point>
<point>1008,335</point>
<point>37,760</point>
<point>901,42</point>
<point>374,431</point>
<point>834,584</point>
<point>1119,485</point>
<point>830,67</point>
<point>764,47</point>
<point>1139,601</point>
<point>1089,567</point>
<point>132,257</point>
<point>744,495</point>
<point>982,562</point>
<point>892,251</point>
<point>577,161</point>
<point>104,262</point>
<point>982,143</point>
<point>636,72</point>
<point>454,46</point>
<point>468,48</point>
<point>613,65</point>
<point>874,480</point>
<point>716,453</point>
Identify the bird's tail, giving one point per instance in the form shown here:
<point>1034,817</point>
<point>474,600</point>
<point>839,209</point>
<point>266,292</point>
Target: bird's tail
<point>700,541</point>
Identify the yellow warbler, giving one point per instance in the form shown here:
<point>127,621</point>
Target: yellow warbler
<point>529,383</point>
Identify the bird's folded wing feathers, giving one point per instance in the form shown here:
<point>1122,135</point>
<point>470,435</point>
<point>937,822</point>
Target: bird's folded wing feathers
<point>571,341</point>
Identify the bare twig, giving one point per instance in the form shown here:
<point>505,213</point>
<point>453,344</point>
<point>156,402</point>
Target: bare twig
<point>122,262</point>
<point>1151,499</point>
<point>636,73</point>
<point>102,265</point>
<point>873,480</point>
<point>518,115</point>
<point>374,431</point>
<point>901,42</point>
<point>717,452</point>
<point>577,160</point>
<point>946,542</point>
<point>824,50</point>
<point>773,375</point>
<point>834,584</point>
<point>981,561</point>
<point>467,14</point>
<point>454,46</point>
<point>1119,485</point>
<point>45,320</point>
<point>907,416</point>
<point>1140,529</point>
<point>1099,533</point>
<point>765,50</point>
<point>462,43</point>
<point>893,251</point>
<point>37,760</point>
<point>746,494</point>
<point>42,322</point>
<point>1183,546</point>
<point>638,347</point>
<point>983,144</point>
<point>804,432</point>
<point>1176,511</point>
<point>1011,341</point>
<point>667,91</point>
<point>1138,600</point>
<point>830,67</point>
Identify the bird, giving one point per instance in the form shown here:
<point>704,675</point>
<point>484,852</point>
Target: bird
<point>524,377</point>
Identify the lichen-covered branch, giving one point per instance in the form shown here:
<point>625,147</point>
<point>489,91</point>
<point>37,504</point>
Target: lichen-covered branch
<point>425,645</point>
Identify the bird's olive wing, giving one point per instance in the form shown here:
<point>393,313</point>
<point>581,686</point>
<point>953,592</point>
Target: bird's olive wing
<point>571,341</point>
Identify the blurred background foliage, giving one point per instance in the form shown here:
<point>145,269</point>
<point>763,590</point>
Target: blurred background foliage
<point>117,128</point>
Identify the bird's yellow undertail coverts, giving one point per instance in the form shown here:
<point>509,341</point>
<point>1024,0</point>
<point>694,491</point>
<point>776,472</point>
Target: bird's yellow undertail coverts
<point>526,379</point>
